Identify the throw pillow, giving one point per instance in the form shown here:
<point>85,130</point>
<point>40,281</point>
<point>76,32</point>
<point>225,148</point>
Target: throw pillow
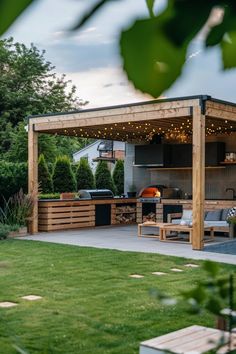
<point>213,215</point>
<point>186,217</point>
<point>232,212</point>
<point>224,214</point>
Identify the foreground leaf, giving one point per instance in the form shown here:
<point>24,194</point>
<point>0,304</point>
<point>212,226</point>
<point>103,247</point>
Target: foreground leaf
<point>228,47</point>
<point>151,61</point>
<point>10,10</point>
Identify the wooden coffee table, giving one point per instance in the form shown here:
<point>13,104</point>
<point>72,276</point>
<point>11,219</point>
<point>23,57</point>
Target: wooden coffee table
<point>167,228</point>
<point>159,225</point>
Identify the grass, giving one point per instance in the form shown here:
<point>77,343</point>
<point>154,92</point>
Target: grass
<point>89,305</point>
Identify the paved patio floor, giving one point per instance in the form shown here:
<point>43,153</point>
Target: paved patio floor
<point>124,238</point>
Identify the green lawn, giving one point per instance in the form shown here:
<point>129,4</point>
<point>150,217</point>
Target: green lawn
<point>89,305</point>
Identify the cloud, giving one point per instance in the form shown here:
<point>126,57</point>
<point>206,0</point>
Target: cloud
<point>95,86</point>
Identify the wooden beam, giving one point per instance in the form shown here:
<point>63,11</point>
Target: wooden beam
<point>77,120</point>
<point>198,178</point>
<point>116,111</point>
<point>221,114</point>
<point>33,176</point>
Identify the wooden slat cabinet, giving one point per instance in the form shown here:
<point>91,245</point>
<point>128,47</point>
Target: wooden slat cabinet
<point>63,215</point>
<point>73,214</point>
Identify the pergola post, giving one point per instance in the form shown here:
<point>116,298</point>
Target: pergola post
<point>33,176</point>
<point>198,178</point>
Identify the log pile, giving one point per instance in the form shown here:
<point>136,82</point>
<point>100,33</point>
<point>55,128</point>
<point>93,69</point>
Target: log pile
<point>149,217</point>
<point>125,214</point>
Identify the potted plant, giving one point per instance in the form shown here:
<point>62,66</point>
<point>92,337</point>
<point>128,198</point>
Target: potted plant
<point>132,191</point>
<point>232,226</point>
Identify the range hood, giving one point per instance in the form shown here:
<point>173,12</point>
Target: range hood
<point>152,155</point>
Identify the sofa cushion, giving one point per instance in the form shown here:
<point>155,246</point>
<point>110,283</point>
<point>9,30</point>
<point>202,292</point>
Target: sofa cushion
<point>216,223</point>
<point>213,215</point>
<point>224,214</point>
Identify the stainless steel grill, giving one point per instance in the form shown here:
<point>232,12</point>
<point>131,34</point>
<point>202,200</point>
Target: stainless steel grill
<point>95,194</point>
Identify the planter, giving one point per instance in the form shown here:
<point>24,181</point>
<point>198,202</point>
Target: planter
<point>21,232</point>
<point>67,196</point>
<point>232,230</point>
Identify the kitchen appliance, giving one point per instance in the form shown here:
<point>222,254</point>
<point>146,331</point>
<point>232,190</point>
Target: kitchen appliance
<point>103,210</point>
<point>152,155</point>
<point>95,194</point>
<point>150,196</point>
<point>154,193</point>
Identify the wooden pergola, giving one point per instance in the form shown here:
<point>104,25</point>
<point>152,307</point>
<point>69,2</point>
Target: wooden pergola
<point>194,117</point>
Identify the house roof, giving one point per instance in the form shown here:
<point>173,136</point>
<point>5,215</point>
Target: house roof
<point>97,142</point>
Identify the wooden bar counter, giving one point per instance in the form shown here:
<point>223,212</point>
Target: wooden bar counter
<point>74,213</point>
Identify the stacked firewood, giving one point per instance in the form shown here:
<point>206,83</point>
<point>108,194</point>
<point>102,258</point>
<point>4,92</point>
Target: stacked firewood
<point>125,214</point>
<point>125,218</point>
<point>125,209</point>
<point>149,217</point>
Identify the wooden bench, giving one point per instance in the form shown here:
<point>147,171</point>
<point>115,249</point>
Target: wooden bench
<point>193,339</point>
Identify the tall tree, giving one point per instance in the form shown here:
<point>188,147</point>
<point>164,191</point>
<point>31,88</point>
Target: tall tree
<point>45,179</point>
<point>28,86</point>
<point>118,177</point>
<point>63,177</point>
<point>84,175</point>
<point>103,177</point>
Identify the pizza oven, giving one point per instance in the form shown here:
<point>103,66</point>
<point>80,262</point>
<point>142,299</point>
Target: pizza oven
<point>151,193</point>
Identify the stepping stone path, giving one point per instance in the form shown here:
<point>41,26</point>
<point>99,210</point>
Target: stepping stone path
<point>137,276</point>
<point>7,304</point>
<point>176,270</point>
<point>190,265</point>
<point>31,297</point>
<point>158,273</point>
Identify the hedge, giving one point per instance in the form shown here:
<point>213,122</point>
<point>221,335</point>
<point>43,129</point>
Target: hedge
<point>13,177</point>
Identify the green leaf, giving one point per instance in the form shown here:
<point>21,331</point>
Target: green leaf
<point>198,294</point>
<point>151,61</point>
<point>211,268</point>
<point>215,35</point>
<point>10,10</point>
<point>214,306</point>
<point>150,4</point>
<point>228,48</point>
<point>189,16</point>
<point>90,13</point>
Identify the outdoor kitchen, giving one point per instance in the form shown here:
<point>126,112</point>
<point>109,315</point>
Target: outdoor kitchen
<point>180,155</point>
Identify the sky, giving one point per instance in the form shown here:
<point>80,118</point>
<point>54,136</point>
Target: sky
<point>90,57</point>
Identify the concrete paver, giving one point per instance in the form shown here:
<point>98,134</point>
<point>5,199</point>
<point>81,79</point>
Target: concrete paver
<point>124,238</point>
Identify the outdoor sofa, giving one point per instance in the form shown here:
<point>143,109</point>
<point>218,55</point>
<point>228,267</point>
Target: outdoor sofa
<point>216,219</point>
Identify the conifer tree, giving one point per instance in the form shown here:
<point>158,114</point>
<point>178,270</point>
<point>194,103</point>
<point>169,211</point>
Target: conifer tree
<point>118,177</point>
<point>63,177</point>
<point>84,175</point>
<point>103,177</point>
<point>45,179</point>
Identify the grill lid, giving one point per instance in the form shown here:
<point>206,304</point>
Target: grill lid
<point>95,194</point>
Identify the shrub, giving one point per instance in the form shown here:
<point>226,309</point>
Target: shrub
<point>13,177</point>
<point>84,175</point>
<point>45,179</point>
<point>16,209</point>
<point>4,231</point>
<point>103,177</point>
<point>63,177</point>
<point>49,196</point>
<point>118,177</point>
